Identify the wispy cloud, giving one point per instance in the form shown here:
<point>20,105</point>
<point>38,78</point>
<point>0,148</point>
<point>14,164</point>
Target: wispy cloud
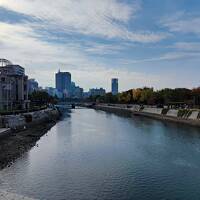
<point>171,56</point>
<point>103,49</point>
<point>187,46</point>
<point>92,38</point>
<point>42,59</point>
<point>95,18</point>
<point>182,22</point>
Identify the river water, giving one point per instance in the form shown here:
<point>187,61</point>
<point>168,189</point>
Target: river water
<point>96,155</point>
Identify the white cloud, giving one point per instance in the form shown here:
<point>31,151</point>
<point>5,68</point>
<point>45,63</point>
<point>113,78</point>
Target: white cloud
<point>187,46</point>
<point>103,49</point>
<point>23,46</point>
<point>101,18</point>
<point>43,53</point>
<point>182,22</point>
<point>170,56</point>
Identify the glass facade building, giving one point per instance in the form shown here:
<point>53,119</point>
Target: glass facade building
<point>115,87</point>
<point>63,83</point>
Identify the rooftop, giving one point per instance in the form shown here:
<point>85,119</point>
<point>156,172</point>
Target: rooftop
<point>4,62</point>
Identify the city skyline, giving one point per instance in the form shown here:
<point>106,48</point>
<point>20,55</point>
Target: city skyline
<point>143,43</point>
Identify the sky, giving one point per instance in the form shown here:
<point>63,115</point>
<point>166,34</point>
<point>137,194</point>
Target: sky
<point>154,43</point>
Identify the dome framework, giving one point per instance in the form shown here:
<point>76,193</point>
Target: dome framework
<point>4,62</point>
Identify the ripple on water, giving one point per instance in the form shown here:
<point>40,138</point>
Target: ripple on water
<point>96,155</point>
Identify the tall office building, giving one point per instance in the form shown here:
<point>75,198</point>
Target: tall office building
<point>63,83</point>
<point>115,86</point>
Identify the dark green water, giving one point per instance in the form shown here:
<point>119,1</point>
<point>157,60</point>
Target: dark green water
<point>95,155</point>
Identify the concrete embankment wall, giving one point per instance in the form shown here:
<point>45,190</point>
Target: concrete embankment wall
<point>153,110</point>
<point>190,117</point>
<point>29,119</point>
<point>172,113</point>
<point>194,115</point>
<point>115,109</point>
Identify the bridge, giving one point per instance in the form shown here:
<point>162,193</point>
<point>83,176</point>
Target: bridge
<point>67,105</point>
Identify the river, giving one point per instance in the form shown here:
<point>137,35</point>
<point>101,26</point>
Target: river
<point>96,155</point>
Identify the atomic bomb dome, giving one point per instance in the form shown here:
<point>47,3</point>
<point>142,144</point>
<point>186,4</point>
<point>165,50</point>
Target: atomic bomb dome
<point>4,62</point>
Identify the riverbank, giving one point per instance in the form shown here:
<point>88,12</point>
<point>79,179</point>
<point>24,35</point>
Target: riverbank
<point>15,144</point>
<point>23,132</point>
<point>155,113</point>
<point>4,132</point>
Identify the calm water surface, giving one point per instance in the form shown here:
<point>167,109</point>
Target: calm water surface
<point>95,155</point>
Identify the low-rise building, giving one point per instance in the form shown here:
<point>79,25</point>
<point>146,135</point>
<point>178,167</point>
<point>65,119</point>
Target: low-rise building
<point>97,92</point>
<point>32,85</point>
<point>51,91</point>
<point>54,92</point>
<point>76,91</point>
<point>13,86</point>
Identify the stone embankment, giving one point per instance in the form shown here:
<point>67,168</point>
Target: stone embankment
<point>18,133</point>
<point>185,116</point>
<point>26,120</point>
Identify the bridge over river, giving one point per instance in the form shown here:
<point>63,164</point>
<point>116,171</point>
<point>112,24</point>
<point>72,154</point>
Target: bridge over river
<point>68,105</point>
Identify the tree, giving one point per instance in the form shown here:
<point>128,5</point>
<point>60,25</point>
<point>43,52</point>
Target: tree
<point>146,94</point>
<point>41,98</point>
<point>125,97</point>
<point>136,93</point>
<point>196,96</point>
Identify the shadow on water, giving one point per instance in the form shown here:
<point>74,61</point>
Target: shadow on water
<point>147,123</point>
<point>66,113</point>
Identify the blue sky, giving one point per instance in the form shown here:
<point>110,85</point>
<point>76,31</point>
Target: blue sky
<point>142,42</point>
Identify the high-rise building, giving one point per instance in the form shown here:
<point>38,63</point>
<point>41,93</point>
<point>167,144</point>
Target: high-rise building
<point>115,86</point>
<point>63,83</point>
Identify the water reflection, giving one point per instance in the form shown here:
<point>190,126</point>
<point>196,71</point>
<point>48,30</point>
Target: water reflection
<point>96,155</point>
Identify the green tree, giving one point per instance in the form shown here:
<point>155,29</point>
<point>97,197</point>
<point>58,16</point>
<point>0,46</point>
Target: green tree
<point>146,94</point>
<point>42,98</point>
